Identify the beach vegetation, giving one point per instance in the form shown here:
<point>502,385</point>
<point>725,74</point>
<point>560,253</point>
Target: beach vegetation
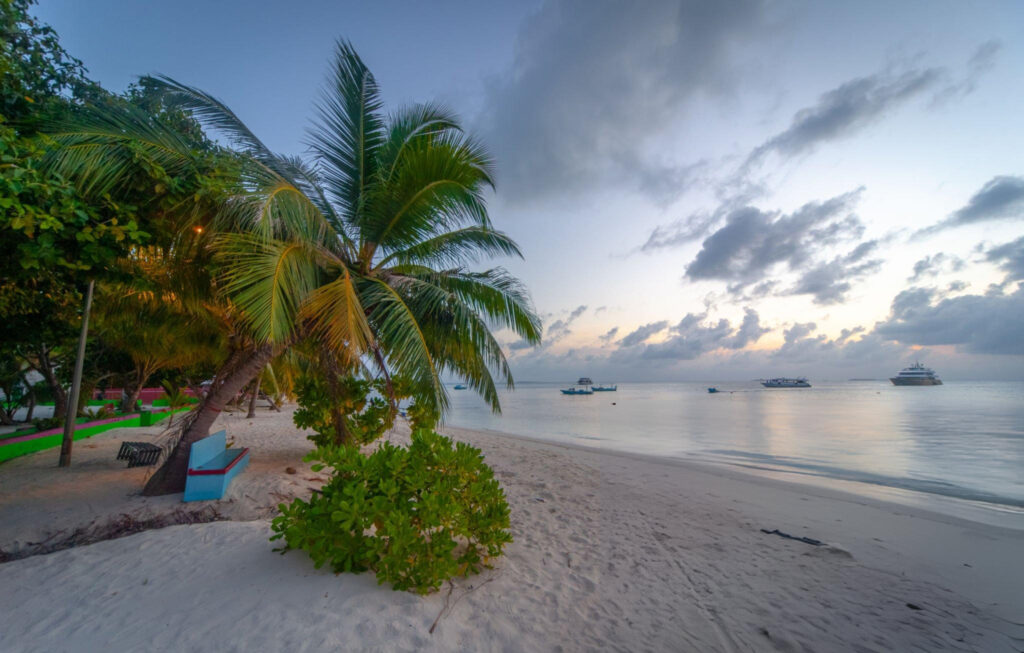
<point>416,516</point>
<point>364,252</point>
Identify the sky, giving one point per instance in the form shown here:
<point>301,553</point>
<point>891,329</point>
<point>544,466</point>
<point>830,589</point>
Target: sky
<point>701,190</point>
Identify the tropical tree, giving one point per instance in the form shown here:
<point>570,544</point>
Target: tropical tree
<point>364,250</point>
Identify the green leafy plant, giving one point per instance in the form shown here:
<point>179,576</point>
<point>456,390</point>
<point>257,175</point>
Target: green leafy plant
<point>106,411</point>
<point>349,411</point>
<point>176,398</point>
<point>416,515</point>
<point>47,423</point>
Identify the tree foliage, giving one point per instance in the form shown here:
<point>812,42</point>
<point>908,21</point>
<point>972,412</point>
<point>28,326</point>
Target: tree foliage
<point>416,515</point>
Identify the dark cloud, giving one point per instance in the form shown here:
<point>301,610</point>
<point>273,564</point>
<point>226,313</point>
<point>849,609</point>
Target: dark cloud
<point>752,242</point>
<point>692,338</point>
<point>857,103</point>
<point>1000,198</point>
<point>979,324</point>
<point>591,79</point>
<point>610,335</point>
<point>520,344</point>
<point>749,332</point>
<point>846,334</point>
<point>846,109</point>
<point>1010,258</point>
<point>642,333</point>
<point>933,265</point>
<point>829,282</point>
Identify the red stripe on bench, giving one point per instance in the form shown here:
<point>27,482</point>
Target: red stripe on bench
<point>209,472</point>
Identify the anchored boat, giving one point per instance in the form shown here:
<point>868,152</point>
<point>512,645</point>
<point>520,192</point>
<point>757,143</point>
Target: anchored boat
<point>916,374</point>
<point>582,387</point>
<point>786,382</point>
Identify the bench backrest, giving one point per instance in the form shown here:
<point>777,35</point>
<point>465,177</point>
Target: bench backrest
<point>207,448</point>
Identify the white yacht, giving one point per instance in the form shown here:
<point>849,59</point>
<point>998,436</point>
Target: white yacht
<point>916,374</point>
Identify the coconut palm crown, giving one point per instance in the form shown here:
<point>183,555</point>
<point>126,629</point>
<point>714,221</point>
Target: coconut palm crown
<point>365,248</point>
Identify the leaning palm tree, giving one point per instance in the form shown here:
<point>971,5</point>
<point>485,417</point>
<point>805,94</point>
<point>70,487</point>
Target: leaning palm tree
<point>364,249</point>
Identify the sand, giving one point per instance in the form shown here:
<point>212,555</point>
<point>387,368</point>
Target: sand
<point>611,552</point>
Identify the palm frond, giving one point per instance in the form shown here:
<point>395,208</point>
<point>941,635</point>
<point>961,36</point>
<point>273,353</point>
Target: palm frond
<point>268,281</point>
<point>401,338</point>
<point>456,248</point>
<point>348,131</point>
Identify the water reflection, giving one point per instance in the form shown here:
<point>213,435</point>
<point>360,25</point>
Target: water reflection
<point>959,439</point>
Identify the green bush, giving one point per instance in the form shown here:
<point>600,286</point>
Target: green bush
<point>343,414</point>
<point>47,423</point>
<point>415,515</point>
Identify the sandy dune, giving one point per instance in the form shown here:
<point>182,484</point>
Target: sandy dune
<point>611,553</point>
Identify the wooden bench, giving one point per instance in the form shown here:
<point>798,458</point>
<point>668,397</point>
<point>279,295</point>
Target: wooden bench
<point>211,466</point>
<point>139,454</point>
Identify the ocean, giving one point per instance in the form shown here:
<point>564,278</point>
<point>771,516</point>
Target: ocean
<point>956,448</point>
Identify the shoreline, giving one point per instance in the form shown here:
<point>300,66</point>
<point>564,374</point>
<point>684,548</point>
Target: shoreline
<point>611,552</point>
<point>958,510</point>
<point>877,520</point>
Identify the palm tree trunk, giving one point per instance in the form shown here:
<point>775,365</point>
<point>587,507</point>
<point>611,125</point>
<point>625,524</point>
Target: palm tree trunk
<point>239,370</point>
<point>255,394</point>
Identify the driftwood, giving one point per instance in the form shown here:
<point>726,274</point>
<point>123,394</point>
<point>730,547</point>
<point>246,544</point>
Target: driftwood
<point>120,526</point>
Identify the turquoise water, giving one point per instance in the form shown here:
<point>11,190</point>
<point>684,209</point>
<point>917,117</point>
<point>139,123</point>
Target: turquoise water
<point>960,441</point>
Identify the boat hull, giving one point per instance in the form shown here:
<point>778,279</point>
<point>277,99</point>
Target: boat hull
<point>902,381</point>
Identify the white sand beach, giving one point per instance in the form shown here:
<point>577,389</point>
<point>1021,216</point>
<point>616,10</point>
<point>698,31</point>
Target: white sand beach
<point>611,552</point>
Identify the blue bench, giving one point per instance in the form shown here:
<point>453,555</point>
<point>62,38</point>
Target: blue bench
<point>211,466</point>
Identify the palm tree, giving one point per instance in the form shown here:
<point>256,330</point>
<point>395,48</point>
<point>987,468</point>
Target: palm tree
<point>363,250</point>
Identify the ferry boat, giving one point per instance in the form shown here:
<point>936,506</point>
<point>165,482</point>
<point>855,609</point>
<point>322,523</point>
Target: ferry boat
<point>606,388</point>
<point>786,382</point>
<point>916,374</point>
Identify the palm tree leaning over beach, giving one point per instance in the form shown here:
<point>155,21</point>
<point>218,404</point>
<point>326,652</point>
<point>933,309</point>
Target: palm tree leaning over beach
<point>363,250</point>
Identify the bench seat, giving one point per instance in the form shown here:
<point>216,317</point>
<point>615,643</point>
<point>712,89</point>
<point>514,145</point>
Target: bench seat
<point>221,463</point>
<point>211,467</point>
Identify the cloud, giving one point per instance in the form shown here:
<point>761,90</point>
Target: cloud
<point>692,338</point>
<point>1010,258</point>
<point>845,110</point>
<point>982,61</point>
<point>591,79</point>
<point>857,103</point>
<point>1000,198</point>
<point>752,242</point>
<point>610,335</point>
<point>979,324</point>
<point>829,282</point>
<point>559,329</point>
<point>933,265</point>
<point>642,333</point>
<point>682,231</point>
<point>578,311</point>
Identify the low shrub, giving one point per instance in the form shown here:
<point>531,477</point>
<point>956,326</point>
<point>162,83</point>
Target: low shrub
<point>415,515</point>
<point>47,423</point>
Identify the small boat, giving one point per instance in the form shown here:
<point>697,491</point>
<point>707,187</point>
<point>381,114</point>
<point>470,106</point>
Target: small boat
<point>605,388</point>
<point>578,390</point>
<point>786,382</point>
<point>712,391</point>
<point>460,386</point>
<point>916,374</point>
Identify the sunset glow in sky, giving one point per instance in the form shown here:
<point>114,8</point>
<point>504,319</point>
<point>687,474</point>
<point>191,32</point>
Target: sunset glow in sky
<point>702,190</point>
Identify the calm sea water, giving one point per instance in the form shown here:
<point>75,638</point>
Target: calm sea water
<point>960,442</point>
